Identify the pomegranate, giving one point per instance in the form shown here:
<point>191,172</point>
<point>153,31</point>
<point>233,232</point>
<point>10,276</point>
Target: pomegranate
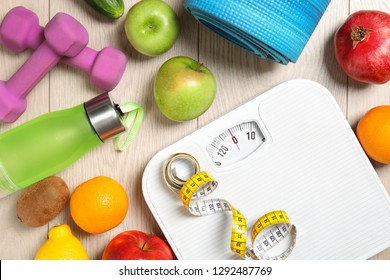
<point>362,46</point>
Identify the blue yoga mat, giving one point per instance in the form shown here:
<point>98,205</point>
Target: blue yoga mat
<point>274,29</point>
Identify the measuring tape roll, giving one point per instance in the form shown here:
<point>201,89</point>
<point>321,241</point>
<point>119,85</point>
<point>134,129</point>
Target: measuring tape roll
<point>169,174</point>
<point>268,231</point>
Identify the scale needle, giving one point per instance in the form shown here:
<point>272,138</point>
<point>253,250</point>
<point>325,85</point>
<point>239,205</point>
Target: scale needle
<point>234,139</point>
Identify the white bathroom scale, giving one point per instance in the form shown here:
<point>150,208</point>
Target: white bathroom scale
<point>290,149</point>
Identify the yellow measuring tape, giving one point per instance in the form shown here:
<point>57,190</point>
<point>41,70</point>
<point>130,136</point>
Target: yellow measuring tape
<point>268,231</point>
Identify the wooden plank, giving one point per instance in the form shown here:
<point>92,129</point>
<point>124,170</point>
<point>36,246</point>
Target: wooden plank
<point>18,241</point>
<point>362,97</point>
<point>70,87</point>
<point>240,77</point>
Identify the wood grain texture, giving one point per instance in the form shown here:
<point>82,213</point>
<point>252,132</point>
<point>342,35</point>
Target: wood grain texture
<point>362,98</point>
<point>18,241</point>
<point>240,77</point>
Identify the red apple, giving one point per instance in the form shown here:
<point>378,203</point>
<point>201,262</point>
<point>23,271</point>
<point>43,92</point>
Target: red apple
<point>137,245</point>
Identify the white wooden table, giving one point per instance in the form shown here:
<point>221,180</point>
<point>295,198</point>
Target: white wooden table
<point>240,77</point>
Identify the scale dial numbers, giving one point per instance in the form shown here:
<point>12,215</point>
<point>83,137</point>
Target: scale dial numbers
<point>235,143</point>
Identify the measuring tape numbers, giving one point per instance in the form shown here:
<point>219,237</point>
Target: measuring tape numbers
<point>267,232</point>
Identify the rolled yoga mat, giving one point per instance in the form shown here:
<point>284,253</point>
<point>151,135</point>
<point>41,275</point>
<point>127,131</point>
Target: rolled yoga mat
<point>274,29</point>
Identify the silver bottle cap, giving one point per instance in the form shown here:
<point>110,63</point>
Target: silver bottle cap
<point>104,116</point>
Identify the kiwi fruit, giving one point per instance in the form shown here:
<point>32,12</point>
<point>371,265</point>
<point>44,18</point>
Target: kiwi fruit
<point>42,201</point>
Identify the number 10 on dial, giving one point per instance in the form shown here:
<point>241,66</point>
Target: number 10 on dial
<point>235,143</point>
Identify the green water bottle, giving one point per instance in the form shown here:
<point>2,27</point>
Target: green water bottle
<point>49,143</point>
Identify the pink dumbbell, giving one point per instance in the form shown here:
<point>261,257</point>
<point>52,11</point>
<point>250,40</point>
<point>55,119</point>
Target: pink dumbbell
<point>20,30</point>
<point>65,36</point>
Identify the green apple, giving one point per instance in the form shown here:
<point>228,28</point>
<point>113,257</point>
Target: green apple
<point>184,89</point>
<point>152,27</point>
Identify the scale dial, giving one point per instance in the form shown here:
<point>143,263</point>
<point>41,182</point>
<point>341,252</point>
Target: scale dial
<point>235,143</point>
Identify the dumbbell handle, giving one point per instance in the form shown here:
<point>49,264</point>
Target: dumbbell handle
<point>83,61</point>
<point>33,70</point>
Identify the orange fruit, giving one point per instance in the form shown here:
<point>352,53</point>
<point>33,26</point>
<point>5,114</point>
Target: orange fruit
<point>373,132</point>
<point>98,204</point>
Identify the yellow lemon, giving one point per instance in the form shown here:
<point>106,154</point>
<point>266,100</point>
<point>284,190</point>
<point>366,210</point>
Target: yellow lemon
<point>61,245</point>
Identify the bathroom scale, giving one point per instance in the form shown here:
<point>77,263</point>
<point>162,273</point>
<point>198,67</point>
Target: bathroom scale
<point>290,149</point>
